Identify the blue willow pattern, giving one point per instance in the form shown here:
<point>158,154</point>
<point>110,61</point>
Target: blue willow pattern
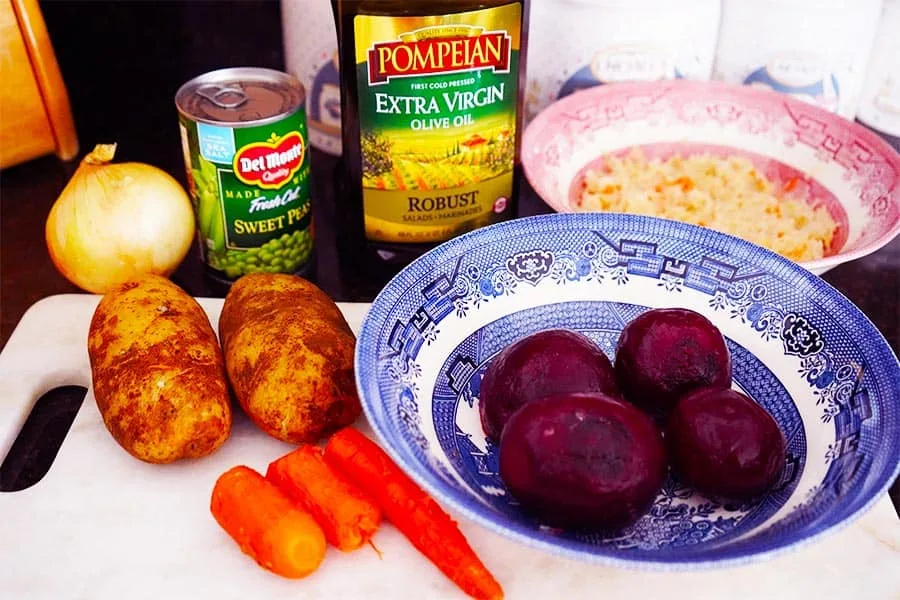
<point>679,518</point>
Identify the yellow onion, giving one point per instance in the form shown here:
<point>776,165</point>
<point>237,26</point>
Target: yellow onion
<point>114,222</point>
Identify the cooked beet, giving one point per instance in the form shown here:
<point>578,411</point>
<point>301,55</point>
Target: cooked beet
<point>664,353</point>
<point>724,444</point>
<point>545,363</point>
<point>582,460</point>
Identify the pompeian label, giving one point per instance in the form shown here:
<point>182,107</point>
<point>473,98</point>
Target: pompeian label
<point>250,185</point>
<point>437,112</point>
<point>411,57</point>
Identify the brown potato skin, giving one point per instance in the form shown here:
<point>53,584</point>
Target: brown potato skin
<point>289,356</point>
<point>158,372</point>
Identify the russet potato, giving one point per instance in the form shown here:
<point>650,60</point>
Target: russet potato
<point>158,373</point>
<point>289,356</point>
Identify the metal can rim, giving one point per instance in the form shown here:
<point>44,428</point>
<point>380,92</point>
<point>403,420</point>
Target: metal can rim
<point>239,73</point>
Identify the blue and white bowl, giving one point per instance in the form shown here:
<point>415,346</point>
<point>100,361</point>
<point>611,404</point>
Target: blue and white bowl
<point>799,348</point>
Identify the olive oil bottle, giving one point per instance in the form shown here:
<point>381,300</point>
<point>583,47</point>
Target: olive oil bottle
<point>431,101</point>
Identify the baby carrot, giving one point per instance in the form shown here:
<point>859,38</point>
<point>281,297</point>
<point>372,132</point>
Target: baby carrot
<point>430,529</point>
<point>348,517</point>
<point>266,525</point>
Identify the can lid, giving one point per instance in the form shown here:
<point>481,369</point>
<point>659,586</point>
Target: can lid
<point>241,96</point>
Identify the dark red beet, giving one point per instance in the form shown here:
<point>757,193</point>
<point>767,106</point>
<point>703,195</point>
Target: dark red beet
<point>664,353</point>
<point>724,444</point>
<point>586,461</point>
<point>545,363</point>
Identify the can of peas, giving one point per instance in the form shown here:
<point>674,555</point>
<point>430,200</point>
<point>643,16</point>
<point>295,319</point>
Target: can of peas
<point>244,137</point>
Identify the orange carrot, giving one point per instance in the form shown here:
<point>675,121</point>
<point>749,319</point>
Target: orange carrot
<point>348,517</point>
<point>430,529</point>
<point>266,525</point>
<point>686,183</point>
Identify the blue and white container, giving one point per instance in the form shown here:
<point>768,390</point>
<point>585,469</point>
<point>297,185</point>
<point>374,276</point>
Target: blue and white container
<point>311,55</point>
<point>880,104</point>
<point>815,50</point>
<point>577,44</point>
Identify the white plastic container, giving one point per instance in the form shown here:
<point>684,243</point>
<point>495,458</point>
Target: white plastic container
<point>575,44</point>
<point>880,104</point>
<point>816,50</point>
<point>311,55</point>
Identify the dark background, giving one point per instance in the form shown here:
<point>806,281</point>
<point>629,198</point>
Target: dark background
<point>122,63</point>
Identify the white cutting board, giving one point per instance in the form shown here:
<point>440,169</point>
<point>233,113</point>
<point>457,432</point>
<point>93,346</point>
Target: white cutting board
<point>104,526</point>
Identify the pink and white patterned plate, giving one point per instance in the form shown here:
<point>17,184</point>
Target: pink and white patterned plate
<point>838,163</point>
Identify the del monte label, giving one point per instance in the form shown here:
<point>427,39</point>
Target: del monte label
<point>272,163</point>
